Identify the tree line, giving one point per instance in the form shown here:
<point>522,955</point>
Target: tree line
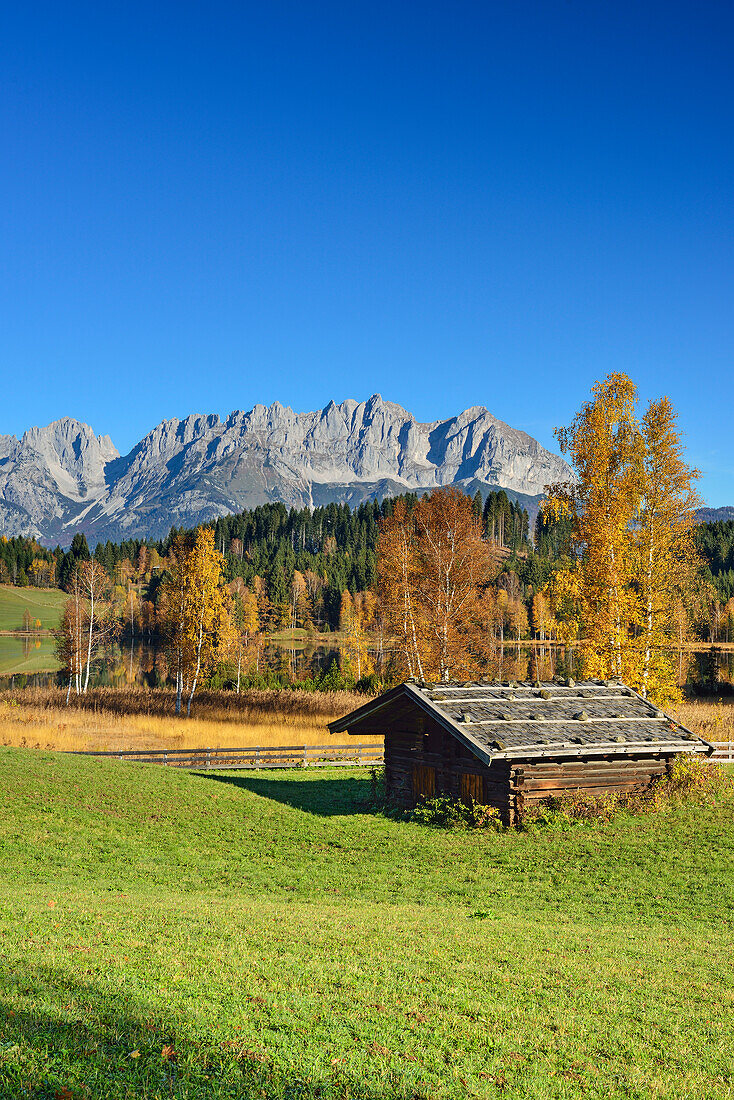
<point>431,586</point>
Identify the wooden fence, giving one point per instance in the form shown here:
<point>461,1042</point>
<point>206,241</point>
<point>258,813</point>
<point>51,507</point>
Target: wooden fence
<point>283,756</point>
<point>287,756</point>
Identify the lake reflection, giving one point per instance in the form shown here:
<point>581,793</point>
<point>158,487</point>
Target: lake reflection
<point>31,661</point>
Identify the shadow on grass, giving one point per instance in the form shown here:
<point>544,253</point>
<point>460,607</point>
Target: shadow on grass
<point>74,1039</point>
<point>328,797</point>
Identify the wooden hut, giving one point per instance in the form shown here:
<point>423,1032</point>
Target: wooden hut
<point>512,745</point>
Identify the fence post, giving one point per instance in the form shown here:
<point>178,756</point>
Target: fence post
<point>165,759</point>
<point>257,756</point>
<point>305,756</point>
<point>208,758</point>
<point>359,754</point>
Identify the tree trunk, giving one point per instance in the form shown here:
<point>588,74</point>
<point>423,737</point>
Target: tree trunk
<point>89,643</point>
<point>179,681</point>
<point>198,665</point>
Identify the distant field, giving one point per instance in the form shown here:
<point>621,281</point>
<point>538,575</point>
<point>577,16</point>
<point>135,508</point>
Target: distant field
<point>268,935</point>
<point>43,603</point>
<point>25,655</point>
<point>137,718</point>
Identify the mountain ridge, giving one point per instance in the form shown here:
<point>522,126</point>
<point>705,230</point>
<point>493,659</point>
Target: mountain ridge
<point>64,478</point>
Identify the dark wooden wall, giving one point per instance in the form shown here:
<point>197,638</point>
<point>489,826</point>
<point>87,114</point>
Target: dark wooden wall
<point>421,758</point>
<point>594,775</point>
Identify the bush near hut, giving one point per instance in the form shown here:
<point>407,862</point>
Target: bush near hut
<point>443,811</point>
<point>690,780</point>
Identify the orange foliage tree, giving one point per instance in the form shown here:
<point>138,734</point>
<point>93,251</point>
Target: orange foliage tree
<point>433,568</point>
<point>632,511</point>
<point>195,610</point>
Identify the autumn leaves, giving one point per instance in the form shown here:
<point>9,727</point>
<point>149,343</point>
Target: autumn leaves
<point>624,595</point>
<point>434,568</point>
<point>195,613</point>
<point>628,591</point>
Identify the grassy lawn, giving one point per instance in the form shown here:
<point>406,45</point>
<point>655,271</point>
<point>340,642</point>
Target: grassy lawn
<point>43,603</point>
<point>266,935</point>
<point>26,655</point>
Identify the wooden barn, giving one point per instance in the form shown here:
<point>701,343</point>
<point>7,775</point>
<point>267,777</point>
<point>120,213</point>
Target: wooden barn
<point>511,745</point>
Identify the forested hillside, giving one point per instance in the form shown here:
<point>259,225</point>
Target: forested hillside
<point>716,545</point>
<point>300,562</point>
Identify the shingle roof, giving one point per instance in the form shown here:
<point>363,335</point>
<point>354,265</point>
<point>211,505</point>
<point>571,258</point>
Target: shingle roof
<point>533,720</point>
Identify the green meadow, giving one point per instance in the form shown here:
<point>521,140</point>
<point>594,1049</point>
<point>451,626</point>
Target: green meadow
<point>270,935</point>
<point>42,603</point>
<point>27,654</point>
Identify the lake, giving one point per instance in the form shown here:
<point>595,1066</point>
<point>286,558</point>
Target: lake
<point>31,661</point>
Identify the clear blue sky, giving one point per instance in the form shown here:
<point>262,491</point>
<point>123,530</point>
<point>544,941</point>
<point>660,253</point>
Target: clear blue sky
<point>208,205</point>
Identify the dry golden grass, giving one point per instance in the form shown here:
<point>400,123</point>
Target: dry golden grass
<point>712,719</point>
<point>135,718</point>
<point>116,720</point>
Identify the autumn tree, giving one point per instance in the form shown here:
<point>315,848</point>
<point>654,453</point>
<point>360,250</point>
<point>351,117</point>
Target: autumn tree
<point>631,511</point>
<point>433,566</point>
<point>194,601</point>
<point>667,562</point>
<point>245,624</point>
<point>355,642</point>
<point>397,567</point>
<point>100,625</point>
<point>603,447</point>
<point>69,635</point>
<point>86,622</point>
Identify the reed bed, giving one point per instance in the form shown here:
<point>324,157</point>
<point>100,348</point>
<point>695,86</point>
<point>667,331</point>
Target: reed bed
<point>712,719</point>
<point>135,718</point>
<point>117,720</point>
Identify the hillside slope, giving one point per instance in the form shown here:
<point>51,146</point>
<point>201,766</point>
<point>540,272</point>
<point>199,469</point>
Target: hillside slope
<point>254,935</point>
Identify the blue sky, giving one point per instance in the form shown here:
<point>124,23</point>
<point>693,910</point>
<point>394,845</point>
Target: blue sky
<point>205,206</point>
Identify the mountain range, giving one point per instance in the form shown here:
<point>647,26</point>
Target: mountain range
<point>64,478</point>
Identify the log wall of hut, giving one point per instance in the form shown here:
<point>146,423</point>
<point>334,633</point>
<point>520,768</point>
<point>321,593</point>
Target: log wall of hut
<point>598,776</point>
<point>424,759</point>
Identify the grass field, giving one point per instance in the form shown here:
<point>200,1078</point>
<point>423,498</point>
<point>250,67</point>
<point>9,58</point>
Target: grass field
<point>267,935</point>
<point>137,718</point>
<point>43,603</point>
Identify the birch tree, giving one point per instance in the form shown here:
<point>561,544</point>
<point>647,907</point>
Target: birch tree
<point>434,565</point>
<point>396,572</point>
<point>667,562</point>
<point>603,448</point>
<point>195,606</point>
<point>632,513</point>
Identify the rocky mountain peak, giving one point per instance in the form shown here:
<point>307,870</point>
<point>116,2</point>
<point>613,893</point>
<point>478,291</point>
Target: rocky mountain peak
<point>64,478</point>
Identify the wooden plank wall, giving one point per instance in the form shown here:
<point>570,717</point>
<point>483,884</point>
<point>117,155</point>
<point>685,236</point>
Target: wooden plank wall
<point>422,758</point>
<point>414,742</point>
<point>596,776</point>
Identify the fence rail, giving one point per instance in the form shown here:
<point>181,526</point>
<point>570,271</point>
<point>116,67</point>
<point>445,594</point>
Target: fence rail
<point>287,756</point>
<point>279,756</point>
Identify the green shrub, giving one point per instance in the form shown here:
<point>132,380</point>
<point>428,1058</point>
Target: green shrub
<point>691,779</point>
<point>573,808</point>
<point>445,812</point>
